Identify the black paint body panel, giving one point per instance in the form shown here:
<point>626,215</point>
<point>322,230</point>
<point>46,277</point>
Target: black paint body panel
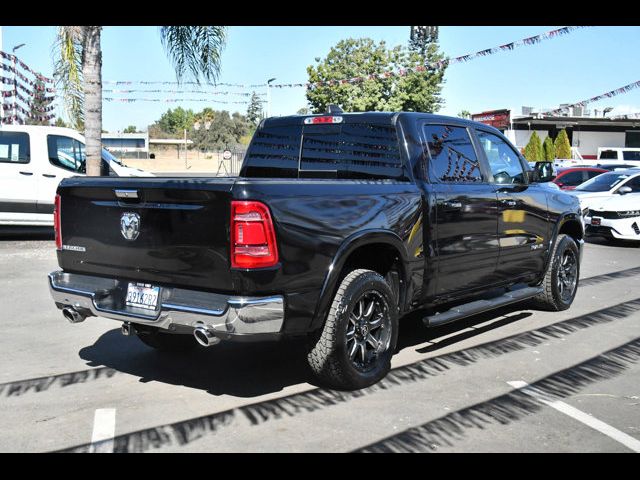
<point>445,255</point>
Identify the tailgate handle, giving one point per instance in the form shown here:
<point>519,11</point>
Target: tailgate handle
<point>126,193</point>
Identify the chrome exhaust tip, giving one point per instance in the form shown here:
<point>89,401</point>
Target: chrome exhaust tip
<point>205,337</point>
<point>72,315</point>
<point>127,329</point>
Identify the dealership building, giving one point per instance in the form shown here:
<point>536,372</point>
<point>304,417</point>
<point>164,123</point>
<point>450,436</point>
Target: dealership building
<point>586,132</point>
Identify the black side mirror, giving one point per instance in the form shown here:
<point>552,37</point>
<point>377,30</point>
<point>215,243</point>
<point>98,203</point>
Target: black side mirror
<point>544,171</point>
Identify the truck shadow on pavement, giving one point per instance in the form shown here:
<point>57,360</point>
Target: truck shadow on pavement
<point>254,369</point>
<point>26,233</point>
<point>444,431</point>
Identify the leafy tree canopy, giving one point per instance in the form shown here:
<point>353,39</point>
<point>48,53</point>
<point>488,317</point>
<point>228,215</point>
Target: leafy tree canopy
<point>130,129</point>
<point>549,149</point>
<point>361,57</point>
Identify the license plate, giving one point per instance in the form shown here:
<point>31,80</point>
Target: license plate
<point>595,221</point>
<point>142,295</point>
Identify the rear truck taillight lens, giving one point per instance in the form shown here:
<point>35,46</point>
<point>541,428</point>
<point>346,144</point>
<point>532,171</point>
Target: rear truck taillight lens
<point>253,238</point>
<point>57,227</point>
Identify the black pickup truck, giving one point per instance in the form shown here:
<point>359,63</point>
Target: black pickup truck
<point>337,226</point>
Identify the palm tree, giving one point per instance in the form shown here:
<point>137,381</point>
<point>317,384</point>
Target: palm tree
<point>194,51</point>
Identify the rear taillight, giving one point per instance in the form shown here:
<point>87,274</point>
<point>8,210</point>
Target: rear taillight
<point>253,238</point>
<point>56,222</point>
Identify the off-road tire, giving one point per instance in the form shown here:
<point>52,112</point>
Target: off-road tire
<point>168,342</point>
<point>550,298</point>
<point>327,351</point>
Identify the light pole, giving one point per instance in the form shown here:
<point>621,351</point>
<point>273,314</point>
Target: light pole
<point>15,84</point>
<point>269,97</point>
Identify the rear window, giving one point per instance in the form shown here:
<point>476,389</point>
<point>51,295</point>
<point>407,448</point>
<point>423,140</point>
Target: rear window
<point>351,150</point>
<point>14,147</point>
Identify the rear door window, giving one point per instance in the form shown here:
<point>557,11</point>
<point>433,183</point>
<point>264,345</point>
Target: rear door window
<point>453,157</point>
<point>14,147</point>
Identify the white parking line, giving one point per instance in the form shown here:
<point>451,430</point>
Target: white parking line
<point>588,420</point>
<point>104,429</point>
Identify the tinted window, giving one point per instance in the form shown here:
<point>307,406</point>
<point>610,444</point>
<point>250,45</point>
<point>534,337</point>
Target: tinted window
<point>608,155</point>
<point>634,184</point>
<point>503,160</point>
<point>571,179</point>
<point>66,153</point>
<point>348,150</point>
<point>453,158</point>
<point>591,174</point>
<point>274,152</point>
<point>351,151</point>
<point>14,147</point>
<point>631,155</point>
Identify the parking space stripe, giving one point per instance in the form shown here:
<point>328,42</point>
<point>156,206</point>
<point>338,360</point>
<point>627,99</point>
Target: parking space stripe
<point>611,432</point>
<point>104,429</point>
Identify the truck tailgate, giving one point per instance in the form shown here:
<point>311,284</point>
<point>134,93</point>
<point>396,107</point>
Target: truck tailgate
<point>183,230</point>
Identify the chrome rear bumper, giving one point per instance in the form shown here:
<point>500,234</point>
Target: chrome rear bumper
<point>222,314</point>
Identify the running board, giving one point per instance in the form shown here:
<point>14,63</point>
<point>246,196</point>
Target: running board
<point>479,306</point>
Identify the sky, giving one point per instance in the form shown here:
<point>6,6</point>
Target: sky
<point>566,69</point>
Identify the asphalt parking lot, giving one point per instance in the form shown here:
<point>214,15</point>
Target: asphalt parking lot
<point>511,380</point>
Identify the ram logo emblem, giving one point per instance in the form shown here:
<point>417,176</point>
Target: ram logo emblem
<point>130,225</point>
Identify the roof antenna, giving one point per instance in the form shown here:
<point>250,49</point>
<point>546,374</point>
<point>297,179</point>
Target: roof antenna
<point>333,108</point>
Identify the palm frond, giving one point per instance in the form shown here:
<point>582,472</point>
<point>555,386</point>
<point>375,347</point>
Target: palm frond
<point>67,53</point>
<point>195,51</point>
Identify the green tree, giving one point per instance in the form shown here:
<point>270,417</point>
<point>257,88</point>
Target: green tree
<point>194,51</point>
<point>533,150</point>
<point>303,111</point>
<point>563,147</point>
<point>464,114</point>
<point>254,110</point>
<point>225,131</point>
<point>130,129</point>
<point>61,123</point>
<point>418,91</point>
<point>172,123</point>
<point>39,105</point>
<point>549,149</point>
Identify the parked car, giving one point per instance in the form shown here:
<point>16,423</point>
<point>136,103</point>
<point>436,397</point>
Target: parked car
<point>615,217</point>
<point>570,178</point>
<point>616,166</point>
<point>607,185</point>
<point>33,160</point>
<point>337,226</point>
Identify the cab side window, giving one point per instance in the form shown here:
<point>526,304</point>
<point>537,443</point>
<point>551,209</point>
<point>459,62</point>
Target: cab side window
<point>503,160</point>
<point>453,157</point>
<point>14,147</point>
<point>67,153</point>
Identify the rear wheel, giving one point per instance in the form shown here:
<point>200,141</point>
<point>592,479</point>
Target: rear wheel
<point>167,342</point>
<point>355,346</point>
<point>560,282</point>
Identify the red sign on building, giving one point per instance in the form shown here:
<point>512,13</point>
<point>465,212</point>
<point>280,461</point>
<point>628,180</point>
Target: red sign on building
<point>499,119</point>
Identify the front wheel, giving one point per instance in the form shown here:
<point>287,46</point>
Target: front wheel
<point>560,282</point>
<point>354,348</point>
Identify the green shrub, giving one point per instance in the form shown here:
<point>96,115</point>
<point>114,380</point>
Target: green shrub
<point>563,147</point>
<point>549,149</point>
<point>533,150</point>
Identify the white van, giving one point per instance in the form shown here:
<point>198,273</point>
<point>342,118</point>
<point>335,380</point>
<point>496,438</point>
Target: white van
<point>619,154</point>
<point>33,161</point>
